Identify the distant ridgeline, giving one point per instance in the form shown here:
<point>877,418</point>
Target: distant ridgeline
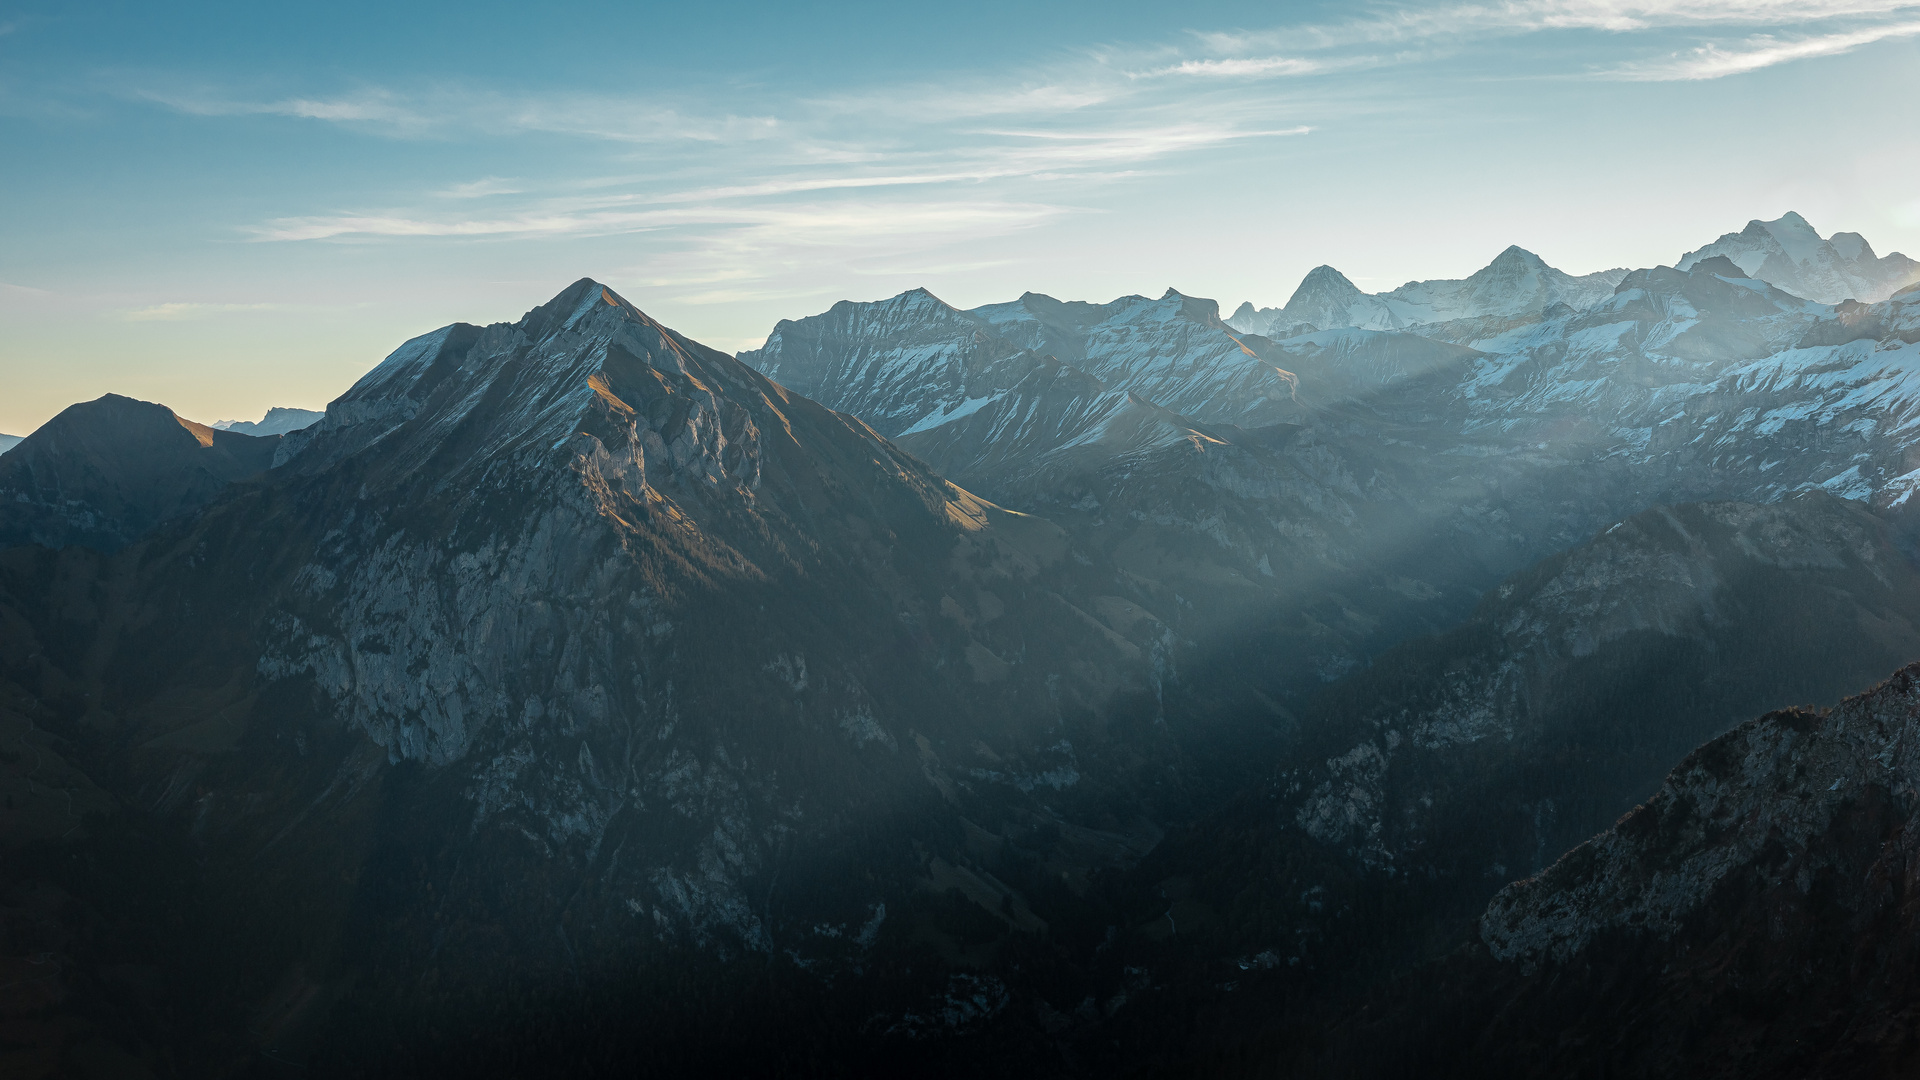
<point>1042,688</point>
<point>278,421</point>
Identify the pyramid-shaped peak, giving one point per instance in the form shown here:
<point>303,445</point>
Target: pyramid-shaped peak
<point>586,291</point>
<point>1324,274</point>
<point>573,303</point>
<point>1515,255</point>
<point>919,298</point>
<point>1324,280</point>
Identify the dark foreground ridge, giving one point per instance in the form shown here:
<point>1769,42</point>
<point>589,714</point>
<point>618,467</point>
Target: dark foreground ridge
<point>1755,918</point>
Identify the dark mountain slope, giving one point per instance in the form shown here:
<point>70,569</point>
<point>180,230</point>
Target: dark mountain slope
<point>567,643</point>
<point>1754,918</point>
<point>1459,762</point>
<point>104,472</point>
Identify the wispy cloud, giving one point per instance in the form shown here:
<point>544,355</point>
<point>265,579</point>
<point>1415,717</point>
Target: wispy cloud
<point>1408,23</point>
<point>1259,66</point>
<point>985,157</point>
<point>1731,36</point>
<point>450,110</point>
<point>182,312</point>
<point>481,188</point>
<point>1713,61</point>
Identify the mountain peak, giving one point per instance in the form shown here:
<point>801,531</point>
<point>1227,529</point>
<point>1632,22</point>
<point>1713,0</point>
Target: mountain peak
<point>1789,253</point>
<point>1793,221</point>
<point>104,472</point>
<point>1515,255</point>
<point>1324,281</point>
<point>573,303</point>
<point>477,391</point>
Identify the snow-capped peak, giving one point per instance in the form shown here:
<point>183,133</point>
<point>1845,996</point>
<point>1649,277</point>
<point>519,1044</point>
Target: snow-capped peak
<point>1789,253</point>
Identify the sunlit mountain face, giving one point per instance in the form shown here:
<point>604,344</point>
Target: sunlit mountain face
<point>1480,677</point>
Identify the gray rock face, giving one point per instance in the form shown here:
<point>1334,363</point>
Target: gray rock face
<point>1704,600</point>
<point>8,442</point>
<point>104,472</point>
<point>907,363</point>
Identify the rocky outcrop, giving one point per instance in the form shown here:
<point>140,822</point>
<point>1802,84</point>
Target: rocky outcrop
<point>1749,814</point>
<point>1754,918</point>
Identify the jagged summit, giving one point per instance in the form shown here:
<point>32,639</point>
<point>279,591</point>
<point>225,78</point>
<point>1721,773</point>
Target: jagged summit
<point>468,400</point>
<point>104,472</point>
<point>1789,252</point>
<point>899,369</point>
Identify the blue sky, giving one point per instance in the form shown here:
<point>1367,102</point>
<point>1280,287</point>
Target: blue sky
<point>225,207</point>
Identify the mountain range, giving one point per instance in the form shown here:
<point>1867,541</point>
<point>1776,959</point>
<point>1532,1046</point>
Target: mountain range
<point>1786,252</point>
<point>1045,688</point>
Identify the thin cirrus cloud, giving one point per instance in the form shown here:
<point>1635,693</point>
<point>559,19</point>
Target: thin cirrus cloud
<point>1406,23</point>
<point>820,221</point>
<point>1260,66</point>
<point>181,312</point>
<point>450,111</point>
<point>1714,61</point>
<point>1038,155</point>
<point>482,188</point>
<point>1826,28</point>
